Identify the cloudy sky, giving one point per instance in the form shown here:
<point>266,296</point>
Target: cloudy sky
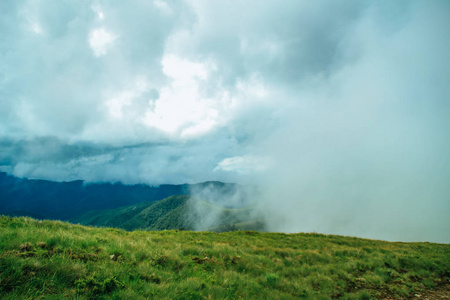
<point>334,106</point>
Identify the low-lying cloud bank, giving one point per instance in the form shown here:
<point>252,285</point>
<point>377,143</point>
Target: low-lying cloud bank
<point>338,111</point>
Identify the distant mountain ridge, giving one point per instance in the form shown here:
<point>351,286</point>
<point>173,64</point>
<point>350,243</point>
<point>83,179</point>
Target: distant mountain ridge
<point>175,212</point>
<point>47,199</point>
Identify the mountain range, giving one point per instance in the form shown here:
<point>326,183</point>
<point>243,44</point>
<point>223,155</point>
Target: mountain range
<point>130,207</point>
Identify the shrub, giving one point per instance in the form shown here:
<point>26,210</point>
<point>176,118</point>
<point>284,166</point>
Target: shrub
<point>272,279</point>
<point>96,286</point>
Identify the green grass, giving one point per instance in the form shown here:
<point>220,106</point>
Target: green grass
<point>52,259</point>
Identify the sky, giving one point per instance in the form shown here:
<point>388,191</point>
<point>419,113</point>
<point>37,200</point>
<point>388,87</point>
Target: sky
<point>339,110</point>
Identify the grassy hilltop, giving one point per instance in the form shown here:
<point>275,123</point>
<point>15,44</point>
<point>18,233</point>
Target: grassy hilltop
<point>52,259</point>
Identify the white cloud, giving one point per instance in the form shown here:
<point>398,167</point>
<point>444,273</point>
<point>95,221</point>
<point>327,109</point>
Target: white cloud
<point>96,7</point>
<point>163,6</point>
<point>118,100</point>
<point>181,109</point>
<point>244,164</point>
<point>101,40</point>
<point>184,71</point>
<point>35,27</point>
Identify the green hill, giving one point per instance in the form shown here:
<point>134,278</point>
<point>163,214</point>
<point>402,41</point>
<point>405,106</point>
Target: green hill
<point>54,260</point>
<point>175,212</point>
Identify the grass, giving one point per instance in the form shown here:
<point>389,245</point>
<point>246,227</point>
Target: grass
<point>53,259</point>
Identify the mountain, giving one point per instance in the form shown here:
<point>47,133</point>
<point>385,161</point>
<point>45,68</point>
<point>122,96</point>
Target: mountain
<point>58,260</point>
<point>46,199</point>
<point>175,212</point>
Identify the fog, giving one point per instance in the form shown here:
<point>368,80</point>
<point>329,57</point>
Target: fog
<point>217,205</point>
<point>366,153</point>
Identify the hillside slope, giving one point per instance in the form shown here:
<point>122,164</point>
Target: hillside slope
<point>175,212</point>
<point>46,199</point>
<point>52,259</point>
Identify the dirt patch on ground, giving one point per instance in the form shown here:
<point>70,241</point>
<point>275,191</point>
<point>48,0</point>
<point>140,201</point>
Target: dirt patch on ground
<point>442,292</point>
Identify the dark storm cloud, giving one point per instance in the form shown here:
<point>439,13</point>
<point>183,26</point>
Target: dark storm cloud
<point>152,163</point>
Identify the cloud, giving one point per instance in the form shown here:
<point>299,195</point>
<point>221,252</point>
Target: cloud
<point>100,40</point>
<point>191,116</point>
<point>57,81</point>
<point>243,164</point>
<point>339,109</point>
<point>363,152</point>
<point>151,163</point>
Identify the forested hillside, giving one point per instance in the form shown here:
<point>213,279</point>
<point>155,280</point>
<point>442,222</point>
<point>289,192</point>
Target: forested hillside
<point>175,212</point>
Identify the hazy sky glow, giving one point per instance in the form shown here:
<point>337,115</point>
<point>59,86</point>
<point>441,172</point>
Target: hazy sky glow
<point>340,109</point>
